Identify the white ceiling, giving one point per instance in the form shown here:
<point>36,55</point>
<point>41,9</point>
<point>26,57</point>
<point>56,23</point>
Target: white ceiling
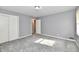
<point>45,10</point>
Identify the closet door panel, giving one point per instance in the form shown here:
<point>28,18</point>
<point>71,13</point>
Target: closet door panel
<point>3,28</point>
<point>13,28</point>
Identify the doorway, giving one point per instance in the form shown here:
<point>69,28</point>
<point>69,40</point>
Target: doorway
<point>77,22</point>
<point>36,26</point>
<point>33,26</point>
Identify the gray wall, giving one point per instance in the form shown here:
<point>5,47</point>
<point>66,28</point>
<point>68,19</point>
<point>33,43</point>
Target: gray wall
<point>61,24</point>
<point>24,22</point>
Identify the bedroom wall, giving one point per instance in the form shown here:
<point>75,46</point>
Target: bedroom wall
<point>24,22</point>
<point>60,24</point>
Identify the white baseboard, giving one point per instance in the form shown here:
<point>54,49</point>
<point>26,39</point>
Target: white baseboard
<point>59,37</point>
<point>17,38</point>
<point>24,36</point>
<point>21,37</point>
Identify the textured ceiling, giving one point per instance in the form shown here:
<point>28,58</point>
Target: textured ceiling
<point>44,11</point>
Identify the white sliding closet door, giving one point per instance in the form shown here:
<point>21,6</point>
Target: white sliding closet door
<point>9,27</point>
<point>3,28</point>
<point>13,27</point>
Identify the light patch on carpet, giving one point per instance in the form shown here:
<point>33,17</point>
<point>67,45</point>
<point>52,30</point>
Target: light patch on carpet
<point>45,42</point>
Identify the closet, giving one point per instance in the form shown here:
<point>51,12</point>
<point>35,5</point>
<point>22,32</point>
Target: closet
<point>9,27</point>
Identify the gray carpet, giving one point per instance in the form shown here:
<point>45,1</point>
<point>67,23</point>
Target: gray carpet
<point>28,45</point>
